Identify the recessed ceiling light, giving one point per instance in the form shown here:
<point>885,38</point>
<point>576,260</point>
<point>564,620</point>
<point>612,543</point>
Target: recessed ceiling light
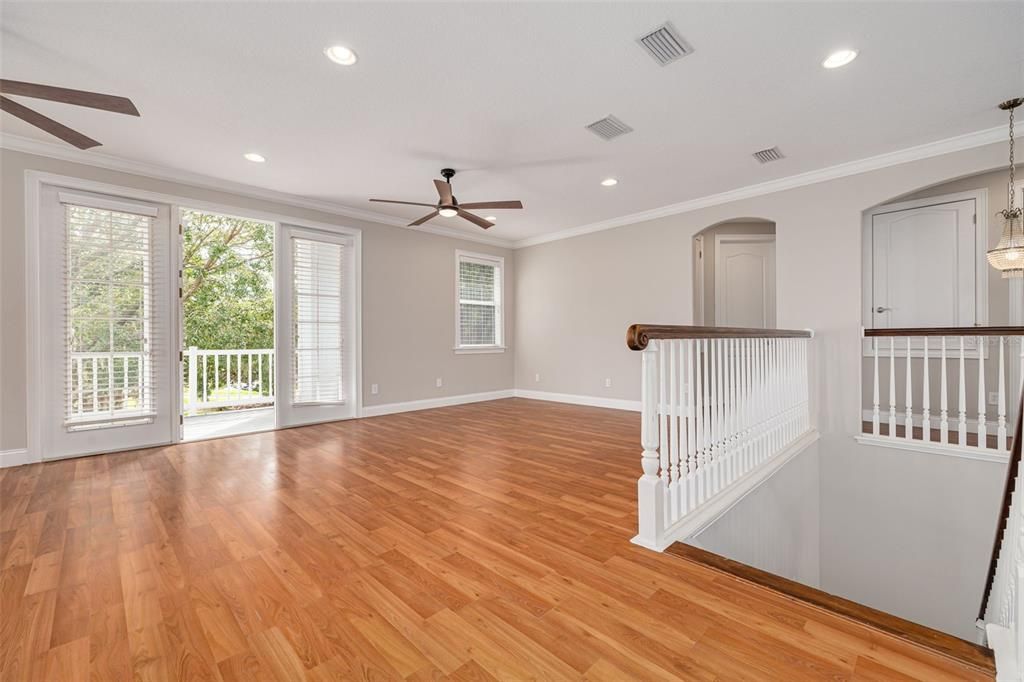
<point>609,182</point>
<point>339,54</point>
<point>491,218</point>
<point>839,58</point>
<point>255,158</point>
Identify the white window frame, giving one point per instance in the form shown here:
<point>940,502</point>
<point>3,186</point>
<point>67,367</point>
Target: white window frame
<point>499,313</point>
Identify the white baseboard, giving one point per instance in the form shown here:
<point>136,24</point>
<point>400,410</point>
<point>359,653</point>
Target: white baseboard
<point>430,403</point>
<point>591,400</point>
<point>954,420</point>
<point>13,458</point>
<point>949,449</point>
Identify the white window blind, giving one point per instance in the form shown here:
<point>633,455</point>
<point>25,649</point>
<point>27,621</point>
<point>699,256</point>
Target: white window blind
<point>318,321</point>
<point>480,301</point>
<point>108,317</point>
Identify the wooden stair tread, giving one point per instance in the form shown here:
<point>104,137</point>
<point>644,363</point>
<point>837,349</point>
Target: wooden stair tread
<point>966,653</point>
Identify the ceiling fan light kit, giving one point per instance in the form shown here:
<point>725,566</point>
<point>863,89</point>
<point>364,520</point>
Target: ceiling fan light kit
<point>448,206</point>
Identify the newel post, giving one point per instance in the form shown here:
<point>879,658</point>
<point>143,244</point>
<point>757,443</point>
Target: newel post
<point>650,488</point>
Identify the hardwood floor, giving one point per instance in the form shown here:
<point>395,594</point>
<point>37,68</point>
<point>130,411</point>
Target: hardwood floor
<point>473,542</point>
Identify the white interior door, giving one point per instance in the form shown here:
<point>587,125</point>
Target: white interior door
<point>745,281</point>
<point>924,266</point>
<point>106,347</point>
<point>316,326</point>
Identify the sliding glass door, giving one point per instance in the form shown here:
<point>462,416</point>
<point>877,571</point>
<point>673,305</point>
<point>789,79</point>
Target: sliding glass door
<point>105,313</point>
<point>316,326</point>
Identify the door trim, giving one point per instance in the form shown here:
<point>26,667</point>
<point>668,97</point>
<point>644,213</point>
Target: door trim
<point>980,197</point>
<point>34,181</point>
<point>740,238</point>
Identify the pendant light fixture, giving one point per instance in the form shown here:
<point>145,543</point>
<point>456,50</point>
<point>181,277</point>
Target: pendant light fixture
<point>1008,256</point>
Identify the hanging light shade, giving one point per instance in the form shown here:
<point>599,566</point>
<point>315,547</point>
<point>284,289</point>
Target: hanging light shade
<point>1008,255</point>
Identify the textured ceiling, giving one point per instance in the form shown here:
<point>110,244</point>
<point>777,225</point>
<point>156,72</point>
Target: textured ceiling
<point>502,91</point>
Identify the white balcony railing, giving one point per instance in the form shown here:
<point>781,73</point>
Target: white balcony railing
<point>228,378</point>
<point>719,408</point>
<point>945,389</point>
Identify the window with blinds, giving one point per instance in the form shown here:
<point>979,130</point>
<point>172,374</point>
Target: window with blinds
<point>108,316</point>
<point>318,321</point>
<point>479,318</point>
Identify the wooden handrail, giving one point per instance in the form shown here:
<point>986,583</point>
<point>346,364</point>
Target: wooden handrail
<point>1004,513</point>
<point>947,331</point>
<point>638,335</point>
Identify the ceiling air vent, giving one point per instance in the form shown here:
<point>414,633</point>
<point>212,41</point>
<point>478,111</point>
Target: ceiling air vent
<point>665,44</point>
<point>608,128</point>
<point>768,155</point>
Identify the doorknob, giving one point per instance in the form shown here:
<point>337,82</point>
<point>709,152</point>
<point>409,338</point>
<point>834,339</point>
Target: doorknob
<point>882,309</point>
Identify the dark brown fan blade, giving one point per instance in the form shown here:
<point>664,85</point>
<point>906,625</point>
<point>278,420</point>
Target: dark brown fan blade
<point>48,124</point>
<point>444,190</point>
<point>475,219</point>
<point>407,203</point>
<point>494,204</point>
<point>81,98</point>
<point>423,219</point>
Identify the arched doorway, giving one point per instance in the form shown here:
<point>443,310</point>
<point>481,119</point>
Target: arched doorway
<point>734,274</point>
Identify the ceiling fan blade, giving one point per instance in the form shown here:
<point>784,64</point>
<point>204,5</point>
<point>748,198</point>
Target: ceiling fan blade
<point>423,219</point>
<point>475,219</point>
<point>81,98</point>
<point>48,124</point>
<point>407,203</point>
<point>444,190</point>
<point>494,204</point>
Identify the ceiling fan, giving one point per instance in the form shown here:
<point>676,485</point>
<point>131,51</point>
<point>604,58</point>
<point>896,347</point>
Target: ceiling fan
<point>448,207</point>
<point>80,98</point>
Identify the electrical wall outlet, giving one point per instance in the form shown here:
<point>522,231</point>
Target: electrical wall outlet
<point>439,382</point>
<point>374,389</point>
<point>536,377</point>
<point>608,382</point>
<point>993,397</point>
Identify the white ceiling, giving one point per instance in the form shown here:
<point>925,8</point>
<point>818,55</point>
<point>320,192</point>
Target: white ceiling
<point>501,92</point>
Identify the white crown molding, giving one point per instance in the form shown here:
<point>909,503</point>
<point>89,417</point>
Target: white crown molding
<point>924,151</point>
<point>18,143</point>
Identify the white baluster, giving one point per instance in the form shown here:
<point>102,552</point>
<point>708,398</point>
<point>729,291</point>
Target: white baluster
<point>962,424</point>
<point>691,426</point>
<point>943,398</point>
<point>875,412</point>
<point>1001,427</point>
<point>663,440</point>
<point>926,399</point>
<point>705,460</point>
<point>673,409</point>
<point>982,421</point>
<point>908,422</point>
<point>892,387</point>
<point>650,491</point>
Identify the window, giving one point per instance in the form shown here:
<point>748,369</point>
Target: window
<point>318,321</point>
<point>108,321</point>
<point>479,320</point>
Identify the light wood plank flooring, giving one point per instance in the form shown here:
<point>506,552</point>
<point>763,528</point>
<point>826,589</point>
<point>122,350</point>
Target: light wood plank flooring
<point>472,542</point>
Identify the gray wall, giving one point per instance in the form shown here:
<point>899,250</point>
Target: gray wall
<point>777,527</point>
<point>408,297</point>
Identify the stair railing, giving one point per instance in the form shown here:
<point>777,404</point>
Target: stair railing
<point>718,407</point>
<point>1002,605</point>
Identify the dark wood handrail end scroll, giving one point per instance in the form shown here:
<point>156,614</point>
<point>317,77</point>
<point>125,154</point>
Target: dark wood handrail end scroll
<point>639,335</point>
